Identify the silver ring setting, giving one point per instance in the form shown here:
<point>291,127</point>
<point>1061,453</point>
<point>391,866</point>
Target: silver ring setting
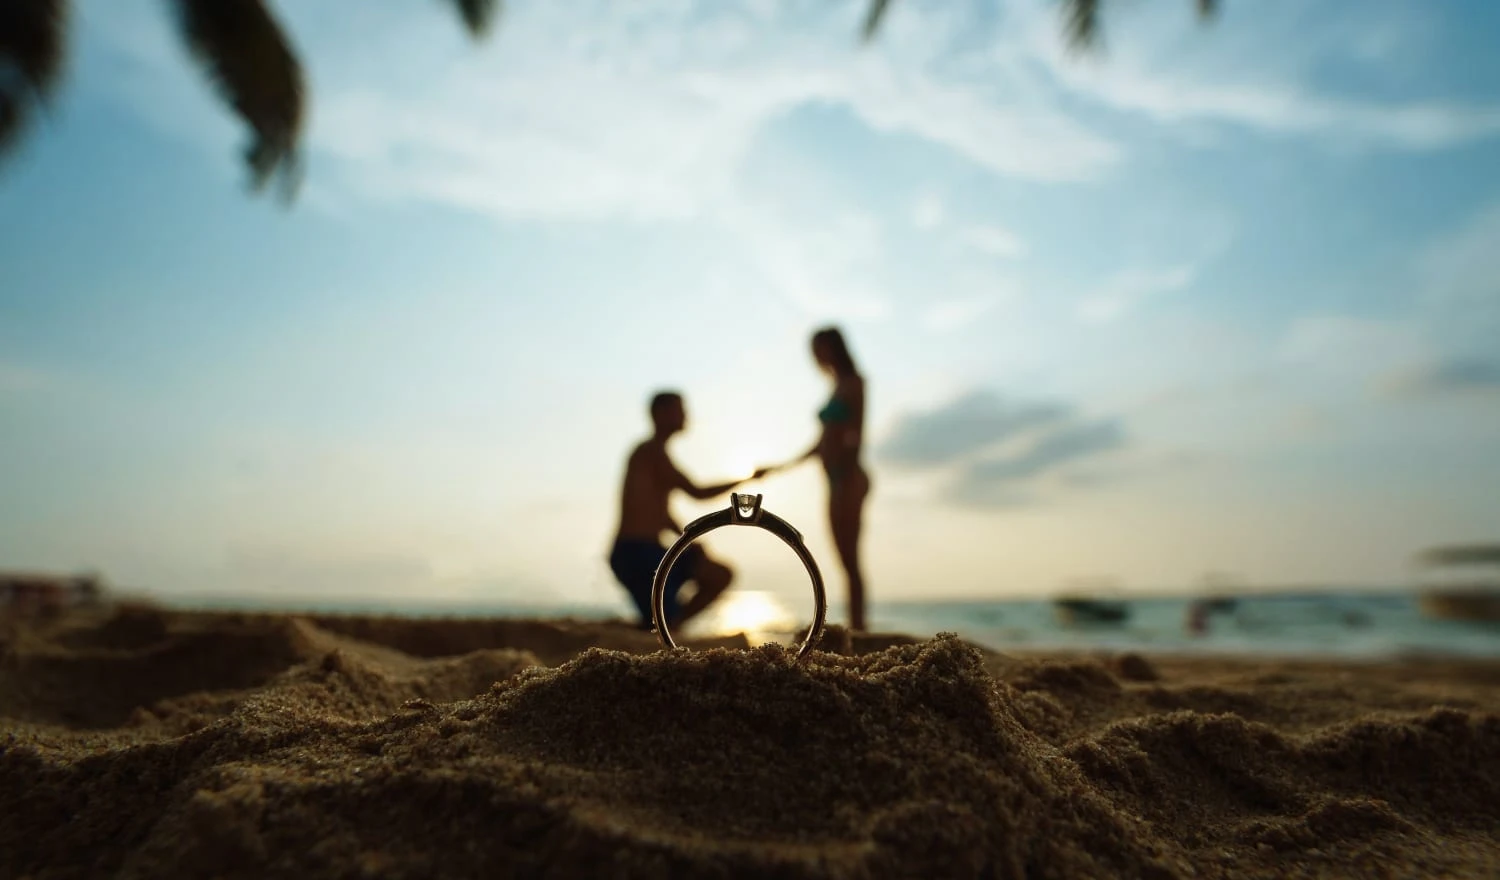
<point>743,510</point>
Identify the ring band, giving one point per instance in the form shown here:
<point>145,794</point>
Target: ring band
<point>744,510</point>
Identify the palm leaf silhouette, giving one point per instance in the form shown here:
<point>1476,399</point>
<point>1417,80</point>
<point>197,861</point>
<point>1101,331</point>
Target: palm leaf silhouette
<point>478,15</point>
<point>1081,23</point>
<point>251,64</point>
<point>872,20</point>
<point>1080,20</point>
<point>239,44</point>
<point>31,57</point>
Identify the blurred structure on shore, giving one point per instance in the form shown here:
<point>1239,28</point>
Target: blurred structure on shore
<point>31,594</point>
<point>1460,582</point>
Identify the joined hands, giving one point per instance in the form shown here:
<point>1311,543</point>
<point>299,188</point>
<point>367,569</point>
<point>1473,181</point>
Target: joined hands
<point>767,470</point>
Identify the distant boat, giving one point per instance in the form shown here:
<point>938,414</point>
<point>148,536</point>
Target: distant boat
<point>1218,592</point>
<point>1460,582</point>
<point>1077,610</point>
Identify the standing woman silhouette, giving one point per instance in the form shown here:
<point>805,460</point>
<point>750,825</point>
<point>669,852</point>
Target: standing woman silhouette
<point>839,444</point>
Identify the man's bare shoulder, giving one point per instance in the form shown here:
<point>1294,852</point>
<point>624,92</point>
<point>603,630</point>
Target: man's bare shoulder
<point>648,456</point>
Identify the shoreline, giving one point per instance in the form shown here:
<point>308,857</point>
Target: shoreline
<point>1363,627</point>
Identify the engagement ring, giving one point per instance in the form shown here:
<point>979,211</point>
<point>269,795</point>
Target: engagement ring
<point>744,510</point>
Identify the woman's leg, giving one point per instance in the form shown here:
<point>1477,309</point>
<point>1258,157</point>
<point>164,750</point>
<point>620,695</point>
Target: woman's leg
<point>845,518</point>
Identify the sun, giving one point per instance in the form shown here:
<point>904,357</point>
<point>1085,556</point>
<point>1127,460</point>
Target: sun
<point>742,461</point>
<point>756,613</point>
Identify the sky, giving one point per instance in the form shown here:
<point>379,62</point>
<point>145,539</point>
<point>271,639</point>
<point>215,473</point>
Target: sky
<point>1221,297</point>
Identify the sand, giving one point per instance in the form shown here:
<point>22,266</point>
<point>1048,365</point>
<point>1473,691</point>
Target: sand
<point>151,743</point>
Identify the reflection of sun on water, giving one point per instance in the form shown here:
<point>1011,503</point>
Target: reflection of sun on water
<point>756,613</point>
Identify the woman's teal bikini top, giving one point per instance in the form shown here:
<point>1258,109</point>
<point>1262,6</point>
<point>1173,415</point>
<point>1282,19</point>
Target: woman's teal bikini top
<point>835,411</point>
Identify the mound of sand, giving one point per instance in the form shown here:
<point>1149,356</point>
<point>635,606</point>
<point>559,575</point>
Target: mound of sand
<point>254,745</point>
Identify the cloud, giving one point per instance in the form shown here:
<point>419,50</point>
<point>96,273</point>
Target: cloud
<point>1051,449</point>
<point>956,313</point>
<point>998,452</point>
<point>971,423</point>
<point>1129,289</point>
<point>1274,97</point>
<point>992,240</point>
<point>598,111</point>
<point>996,480</point>
<point>594,110</point>
<point>829,271</point>
<point>1439,342</point>
<point>1459,375</point>
<point>1338,343</point>
<point>1283,110</point>
<point>928,212</point>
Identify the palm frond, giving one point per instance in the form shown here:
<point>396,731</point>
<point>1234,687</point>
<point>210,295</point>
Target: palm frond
<point>31,57</point>
<point>478,15</point>
<point>873,18</point>
<point>1081,23</point>
<point>251,64</point>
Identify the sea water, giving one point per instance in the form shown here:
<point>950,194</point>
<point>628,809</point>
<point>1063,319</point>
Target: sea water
<point>1368,624</point>
<point>1342,624</point>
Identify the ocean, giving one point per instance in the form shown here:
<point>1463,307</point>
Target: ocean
<point>1346,625</point>
<point>1343,624</point>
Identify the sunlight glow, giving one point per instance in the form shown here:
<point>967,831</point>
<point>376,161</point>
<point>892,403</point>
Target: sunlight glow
<point>759,614</point>
<point>742,461</point>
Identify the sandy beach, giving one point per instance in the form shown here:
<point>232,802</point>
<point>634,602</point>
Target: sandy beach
<point>149,743</point>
